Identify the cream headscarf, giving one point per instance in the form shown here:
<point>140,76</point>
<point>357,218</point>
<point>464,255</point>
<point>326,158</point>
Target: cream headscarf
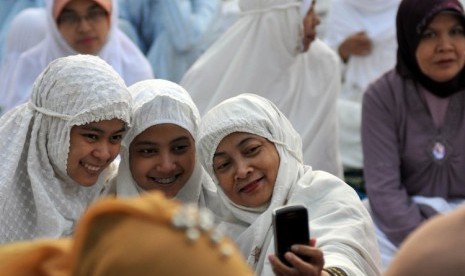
<point>160,102</point>
<point>116,237</point>
<point>37,197</point>
<point>327,198</point>
<point>119,51</point>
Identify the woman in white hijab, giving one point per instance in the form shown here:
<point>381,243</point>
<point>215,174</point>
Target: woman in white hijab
<point>272,50</point>
<point>56,147</point>
<point>71,31</point>
<point>254,155</point>
<point>158,153</point>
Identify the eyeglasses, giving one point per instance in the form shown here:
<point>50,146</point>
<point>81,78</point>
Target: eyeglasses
<point>72,19</point>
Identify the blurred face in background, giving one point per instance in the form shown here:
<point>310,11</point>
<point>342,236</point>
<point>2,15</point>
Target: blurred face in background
<point>84,25</point>
<point>441,51</point>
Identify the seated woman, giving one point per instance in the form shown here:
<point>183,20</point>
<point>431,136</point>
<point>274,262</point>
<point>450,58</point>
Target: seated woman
<point>413,124</point>
<point>56,147</point>
<point>158,153</point>
<point>76,27</point>
<point>254,155</point>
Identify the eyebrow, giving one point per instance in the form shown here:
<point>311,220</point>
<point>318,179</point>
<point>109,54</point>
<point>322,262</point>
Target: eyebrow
<point>150,143</point>
<point>93,6</point>
<point>99,130</point>
<point>241,143</point>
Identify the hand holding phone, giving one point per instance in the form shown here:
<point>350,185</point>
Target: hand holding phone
<point>290,226</point>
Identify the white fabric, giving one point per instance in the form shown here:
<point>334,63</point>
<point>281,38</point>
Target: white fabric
<point>26,30</point>
<point>37,197</point>
<point>338,220</point>
<point>386,247</point>
<point>378,19</point>
<point>119,51</point>
<point>261,54</point>
<point>159,102</point>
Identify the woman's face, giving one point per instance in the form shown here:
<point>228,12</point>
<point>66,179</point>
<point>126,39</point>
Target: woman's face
<point>162,158</point>
<point>84,25</point>
<point>246,166</point>
<point>441,51</point>
<point>93,147</point>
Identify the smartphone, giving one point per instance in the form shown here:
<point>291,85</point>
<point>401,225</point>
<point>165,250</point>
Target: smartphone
<point>290,226</point>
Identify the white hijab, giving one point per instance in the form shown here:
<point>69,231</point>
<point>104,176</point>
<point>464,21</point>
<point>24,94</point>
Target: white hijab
<point>119,51</point>
<point>327,198</point>
<point>162,102</point>
<point>37,197</point>
<point>261,53</point>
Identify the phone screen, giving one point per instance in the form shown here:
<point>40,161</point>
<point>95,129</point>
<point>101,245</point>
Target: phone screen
<point>291,227</point>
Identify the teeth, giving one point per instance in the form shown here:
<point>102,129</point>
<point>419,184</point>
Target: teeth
<point>164,180</point>
<point>91,168</point>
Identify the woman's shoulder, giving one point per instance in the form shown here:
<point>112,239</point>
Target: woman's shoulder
<point>389,85</point>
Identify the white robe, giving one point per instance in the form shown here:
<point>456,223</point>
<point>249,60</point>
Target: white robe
<point>337,218</point>
<point>378,19</point>
<point>260,53</point>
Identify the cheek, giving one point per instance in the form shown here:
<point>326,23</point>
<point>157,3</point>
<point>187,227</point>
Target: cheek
<point>225,183</point>
<point>139,166</point>
<point>115,148</point>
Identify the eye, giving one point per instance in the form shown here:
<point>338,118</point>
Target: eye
<point>252,150</point>
<point>147,152</point>
<point>90,137</point>
<point>222,166</point>
<point>180,149</point>
<point>457,30</point>
<point>96,14</point>
<point>68,18</point>
<point>428,34</point>
<point>116,139</point>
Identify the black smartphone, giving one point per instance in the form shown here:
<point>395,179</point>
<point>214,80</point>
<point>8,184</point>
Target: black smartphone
<point>290,226</point>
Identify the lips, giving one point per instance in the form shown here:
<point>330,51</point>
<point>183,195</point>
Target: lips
<point>164,180</point>
<point>92,169</point>
<point>251,186</point>
<point>86,40</point>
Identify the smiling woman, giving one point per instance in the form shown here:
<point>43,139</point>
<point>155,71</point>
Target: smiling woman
<point>158,152</point>
<point>57,146</point>
<point>254,155</point>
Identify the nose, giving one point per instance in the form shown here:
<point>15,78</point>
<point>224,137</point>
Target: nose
<point>166,162</point>
<point>83,24</point>
<point>106,151</point>
<point>316,19</point>
<point>445,43</point>
<point>243,170</point>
